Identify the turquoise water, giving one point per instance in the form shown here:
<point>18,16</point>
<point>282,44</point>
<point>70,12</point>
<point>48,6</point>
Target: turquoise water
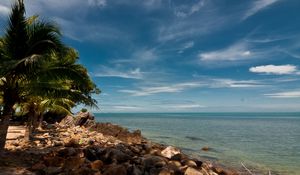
<point>261,141</point>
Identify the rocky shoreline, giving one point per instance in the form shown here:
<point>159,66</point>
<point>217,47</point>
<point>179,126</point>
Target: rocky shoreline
<point>101,149</point>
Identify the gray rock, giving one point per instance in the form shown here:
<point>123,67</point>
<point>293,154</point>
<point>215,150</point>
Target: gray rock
<point>153,161</point>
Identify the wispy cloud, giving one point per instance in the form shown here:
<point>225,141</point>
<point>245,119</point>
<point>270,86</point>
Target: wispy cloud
<point>230,83</point>
<point>237,51</point>
<point>126,107</point>
<point>275,69</point>
<point>287,94</point>
<point>99,3</point>
<point>185,46</point>
<point>115,72</point>
<point>292,53</point>
<point>145,91</point>
<point>185,106</point>
<point>257,6</point>
<point>179,12</point>
<point>206,19</point>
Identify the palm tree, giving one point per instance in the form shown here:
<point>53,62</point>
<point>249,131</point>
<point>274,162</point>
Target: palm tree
<point>34,62</point>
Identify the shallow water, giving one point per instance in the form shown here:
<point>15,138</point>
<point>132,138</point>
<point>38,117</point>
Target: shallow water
<point>263,141</point>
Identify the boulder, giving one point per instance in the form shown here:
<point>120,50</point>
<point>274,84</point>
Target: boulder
<point>54,161</point>
<point>170,151</point>
<point>178,157</point>
<point>38,166</point>
<point>135,170</point>
<point>97,165</point>
<point>115,155</point>
<point>190,163</point>
<point>192,171</point>
<point>83,118</point>
<point>72,143</point>
<point>165,171</point>
<point>67,122</point>
<point>73,163</point>
<point>90,154</point>
<point>153,161</point>
<point>115,170</point>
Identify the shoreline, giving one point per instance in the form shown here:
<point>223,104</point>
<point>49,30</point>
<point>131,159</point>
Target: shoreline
<point>104,148</point>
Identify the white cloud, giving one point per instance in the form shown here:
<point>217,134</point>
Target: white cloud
<point>257,6</point>
<point>99,3</point>
<point>4,10</point>
<point>287,94</point>
<point>274,69</point>
<point>114,72</point>
<point>185,46</point>
<point>145,91</point>
<point>238,51</point>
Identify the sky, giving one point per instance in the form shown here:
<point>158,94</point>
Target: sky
<point>183,55</point>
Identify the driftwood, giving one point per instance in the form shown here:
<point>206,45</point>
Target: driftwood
<point>247,169</point>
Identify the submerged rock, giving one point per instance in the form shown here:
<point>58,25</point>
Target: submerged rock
<point>205,148</point>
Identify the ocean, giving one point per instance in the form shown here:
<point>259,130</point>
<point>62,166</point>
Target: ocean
<point>263,142</point>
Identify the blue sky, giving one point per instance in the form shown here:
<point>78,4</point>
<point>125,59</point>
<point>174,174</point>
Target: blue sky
<point>183,55</point>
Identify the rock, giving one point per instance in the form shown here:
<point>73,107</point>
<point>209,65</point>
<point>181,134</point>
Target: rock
<point>153,161</point>
<point>205,148</point>
<point>116,155</point>
<point>72,143</point>
<point>97,164</point>
<point>175,167</point>
<point>115,170</point>
<point>174,163</point>
<point>53,161</point>
<point>118,132</point>
<point>82,118</point>
<point>90,154</point>
<point>135,170</point>
<point>170,151</point>
<point>84,171</point>
<point>165,172</point>
<point>178,157</point>
<point>91,141</point>
<point>190,163</point>
<point>198,162</point>
<point>223,171</point>
<point>67,152</point>
<point>58,143</point>
<point>192,171</point>
<point>52,170</point>
<point>67,122</point>
<point>46,135</point>
<point>72,163</point>
<point>38,166</point>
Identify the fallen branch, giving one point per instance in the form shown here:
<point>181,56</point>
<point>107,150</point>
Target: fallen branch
<point>205,171</point>
<point>247,169</point>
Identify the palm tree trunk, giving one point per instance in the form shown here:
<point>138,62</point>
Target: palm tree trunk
<point>40,121</point>
<point>4,123</point>
<point>29,127</point>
